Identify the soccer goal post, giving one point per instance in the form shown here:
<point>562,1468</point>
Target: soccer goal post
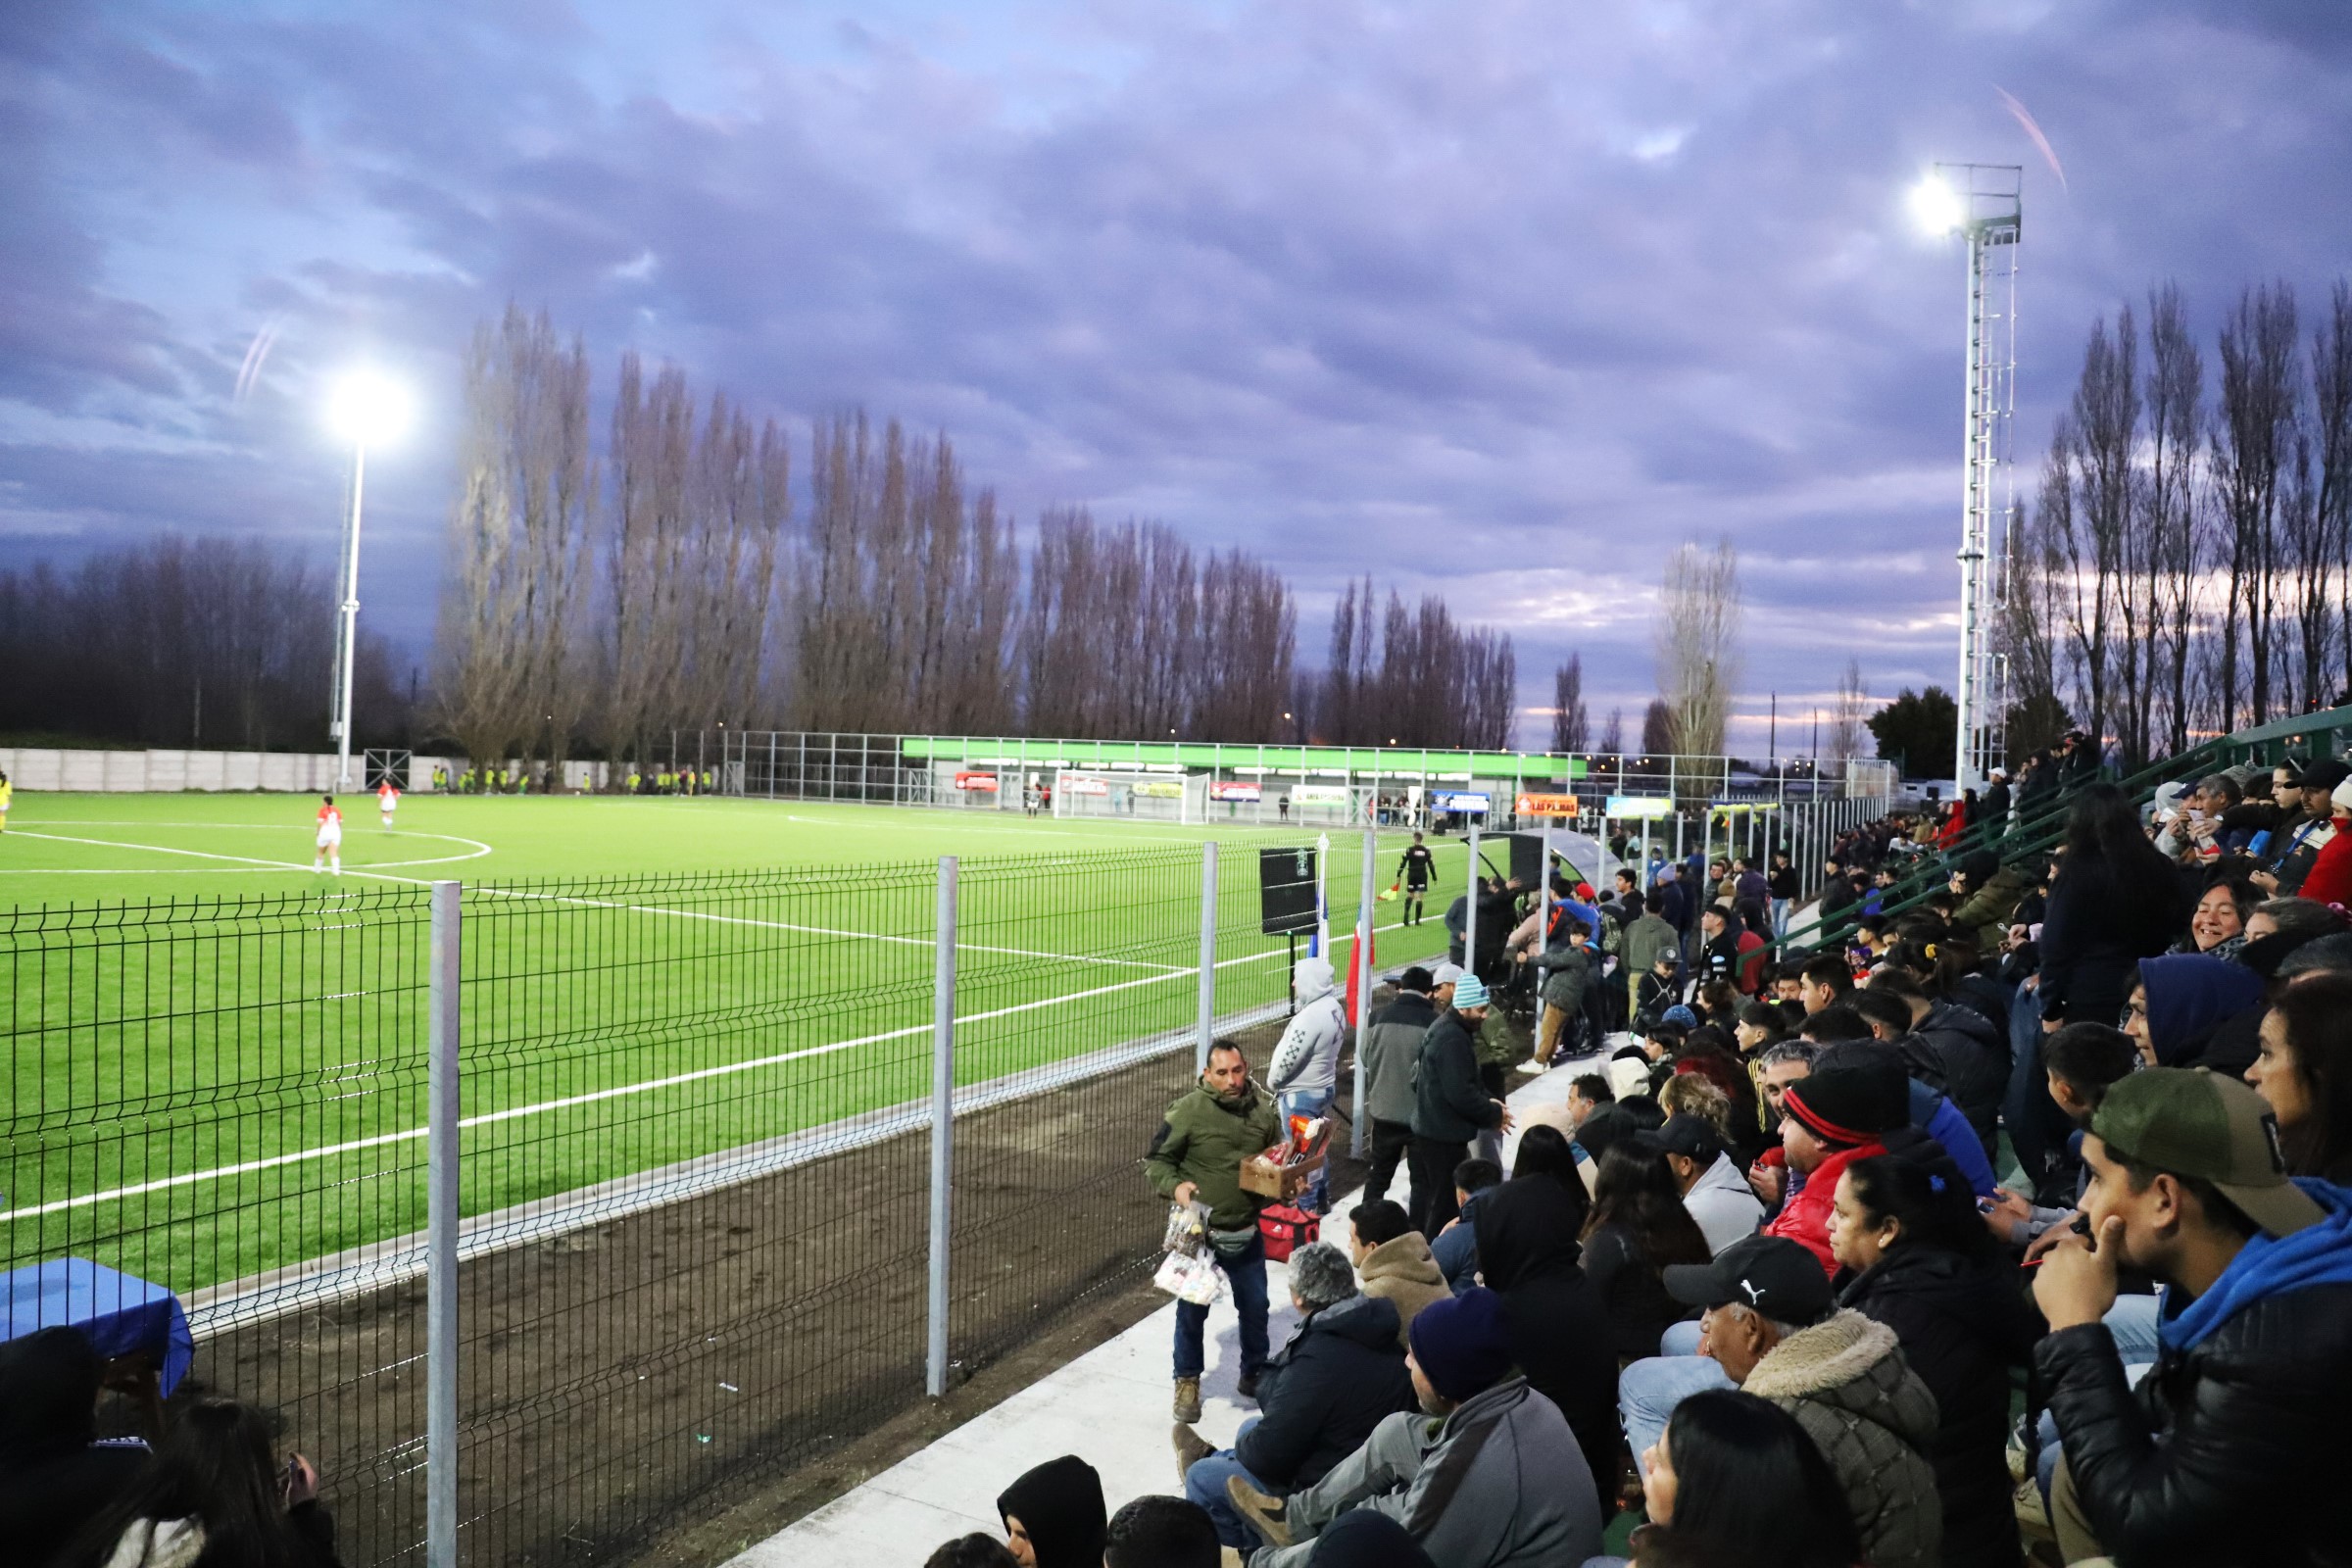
<point>1129,796</point>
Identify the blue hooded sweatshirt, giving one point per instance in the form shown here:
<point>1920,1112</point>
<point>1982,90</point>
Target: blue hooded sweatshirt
<point>2273,1265</point>
<point>2188,994</point>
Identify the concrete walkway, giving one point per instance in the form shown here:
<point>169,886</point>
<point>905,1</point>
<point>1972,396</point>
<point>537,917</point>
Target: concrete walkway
<point>1110,1406</point>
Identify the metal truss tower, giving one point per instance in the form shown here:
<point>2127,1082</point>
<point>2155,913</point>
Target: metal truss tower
<point>1987,210</point>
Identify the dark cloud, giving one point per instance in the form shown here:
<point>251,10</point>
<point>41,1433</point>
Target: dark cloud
<point>1506,301</point>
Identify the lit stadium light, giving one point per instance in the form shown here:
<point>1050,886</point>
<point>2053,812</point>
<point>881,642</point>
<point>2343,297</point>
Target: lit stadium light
<point>367,409</point>
<point>1937,208</point>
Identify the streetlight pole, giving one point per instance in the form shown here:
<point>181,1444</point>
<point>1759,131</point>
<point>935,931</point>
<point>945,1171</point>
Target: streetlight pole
<point>347,618</point>
<point>1981,201</point>
<point>366,410</point>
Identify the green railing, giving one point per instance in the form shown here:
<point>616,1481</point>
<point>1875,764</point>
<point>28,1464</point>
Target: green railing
<point>2305,736</point>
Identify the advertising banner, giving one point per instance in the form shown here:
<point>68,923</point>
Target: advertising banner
<point>1319,795</point>
<point>1547,806</point>
<point>1160,789</point>
<point>1462,800</point>
<point>1641,806</point>
<point>1236,792</point>
<point>983,782</point>
<point>1085,784</point>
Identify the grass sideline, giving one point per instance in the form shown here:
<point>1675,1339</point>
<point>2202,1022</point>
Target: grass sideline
<point>217,1056</point>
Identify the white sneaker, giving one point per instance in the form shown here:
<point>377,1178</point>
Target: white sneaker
<point>1532,1065</point>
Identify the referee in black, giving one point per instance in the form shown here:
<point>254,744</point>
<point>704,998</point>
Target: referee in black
<point>1413,872</point>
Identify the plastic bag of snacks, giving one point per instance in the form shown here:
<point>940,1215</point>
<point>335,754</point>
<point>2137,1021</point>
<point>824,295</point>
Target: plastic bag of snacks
<point>1189,1277</point>
<point>1188,1228</point>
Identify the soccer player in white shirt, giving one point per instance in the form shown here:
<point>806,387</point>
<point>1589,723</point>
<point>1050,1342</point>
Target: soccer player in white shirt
<point>387,799</point>
<point>330,837</point>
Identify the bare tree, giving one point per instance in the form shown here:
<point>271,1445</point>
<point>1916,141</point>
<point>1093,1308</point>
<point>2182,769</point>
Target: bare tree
<point>1612,734</point>
<point>2172,513</point>
<point>1851,708</point>
<point>2331,446</point>
<point>1571,722</point>
<point>1698,643</point>
<point>2249,445</point>
<point>1657,728</point>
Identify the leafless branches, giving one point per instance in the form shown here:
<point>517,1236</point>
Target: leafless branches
<point>1697,638</point>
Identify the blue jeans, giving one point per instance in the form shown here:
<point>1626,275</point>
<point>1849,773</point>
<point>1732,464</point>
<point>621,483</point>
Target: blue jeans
<point>1247,1274</point>
<point>1309,1103</point>
<point>1647,1392</point>
<point>1205,1485</point>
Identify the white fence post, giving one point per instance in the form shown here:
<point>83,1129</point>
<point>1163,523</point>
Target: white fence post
<point>446,969</point>
<point>1361,1138</point>
<point>1205,1025</point>
<point>942,1123</point>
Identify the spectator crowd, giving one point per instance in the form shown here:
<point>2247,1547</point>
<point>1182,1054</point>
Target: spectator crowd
<point>2008,1224</point>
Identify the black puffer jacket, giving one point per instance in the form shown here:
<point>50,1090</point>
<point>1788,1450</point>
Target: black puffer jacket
<point>1526,1255</point>
<point>2227,1455</point>
<point>1962,1326</point>
<point>1322,1394</point>
<point>1450,1104</point>
<point>53,1478</point>
<point>1957,1049</point>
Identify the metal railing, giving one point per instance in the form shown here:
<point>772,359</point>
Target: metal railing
<point>553,1216</point>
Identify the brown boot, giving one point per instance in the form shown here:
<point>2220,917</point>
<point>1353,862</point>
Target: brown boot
<point>1188,1400</point>
<point>1258,1511</point>
<point>1190,1450</point>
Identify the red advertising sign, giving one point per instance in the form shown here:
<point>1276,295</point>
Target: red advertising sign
<point>1547,806</point>
<point>984,782</point>
<point>1236,792</point>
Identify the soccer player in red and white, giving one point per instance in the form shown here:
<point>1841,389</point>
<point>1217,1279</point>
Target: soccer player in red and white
<point>330,837</point>
<point>387,799</point>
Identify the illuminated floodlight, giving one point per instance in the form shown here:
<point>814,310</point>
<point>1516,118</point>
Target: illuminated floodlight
<point>1937,208</point>
<point>369,409</point>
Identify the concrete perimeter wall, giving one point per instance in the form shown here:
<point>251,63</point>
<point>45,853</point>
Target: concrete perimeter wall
<point>34,768</point>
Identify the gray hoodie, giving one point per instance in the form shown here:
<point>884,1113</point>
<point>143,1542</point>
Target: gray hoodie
<point>1308,1060</point>
<point>1499,1483</point>
<point>1726,1207</point>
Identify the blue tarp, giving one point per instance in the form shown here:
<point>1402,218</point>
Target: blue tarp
<point>119,1314</point>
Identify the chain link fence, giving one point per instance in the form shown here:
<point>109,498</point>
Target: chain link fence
<point>697,1240</point>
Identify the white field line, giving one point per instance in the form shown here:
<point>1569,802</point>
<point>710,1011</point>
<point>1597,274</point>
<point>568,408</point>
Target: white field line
<point>616,1092</point>
<point>607,904</point>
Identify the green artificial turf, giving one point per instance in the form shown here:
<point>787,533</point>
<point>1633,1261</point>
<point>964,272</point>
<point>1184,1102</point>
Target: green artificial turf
<point>186,997</point>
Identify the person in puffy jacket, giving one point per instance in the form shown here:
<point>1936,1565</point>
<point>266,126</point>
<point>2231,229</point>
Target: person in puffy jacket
<point>1451,1104</point>
<point>1318,1399</point>
<point>1305,1071</point>
<point>2228,1452</point>
<point>1914,1256</point>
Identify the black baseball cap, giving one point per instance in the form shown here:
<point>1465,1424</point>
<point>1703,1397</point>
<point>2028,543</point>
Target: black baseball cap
<point>1767,1274</point>
<point>2325,774</point>
<point>1691,1137</point>
<point>2193,1122</point>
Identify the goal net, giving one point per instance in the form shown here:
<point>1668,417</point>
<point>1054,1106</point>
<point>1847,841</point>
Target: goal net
<point>1134,797</point>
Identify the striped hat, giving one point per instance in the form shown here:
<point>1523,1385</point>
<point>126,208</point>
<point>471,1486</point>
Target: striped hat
<point>1469,992</point>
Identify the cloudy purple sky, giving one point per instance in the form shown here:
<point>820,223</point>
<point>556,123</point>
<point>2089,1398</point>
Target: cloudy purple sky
<point>1505,299</point>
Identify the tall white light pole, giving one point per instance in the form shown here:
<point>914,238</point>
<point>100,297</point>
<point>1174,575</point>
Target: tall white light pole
<point>367,410</point>
<point>1983,202</point>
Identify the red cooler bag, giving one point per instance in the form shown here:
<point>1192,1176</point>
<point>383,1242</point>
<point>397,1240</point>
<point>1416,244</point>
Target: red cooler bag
<point>1286,1230</point>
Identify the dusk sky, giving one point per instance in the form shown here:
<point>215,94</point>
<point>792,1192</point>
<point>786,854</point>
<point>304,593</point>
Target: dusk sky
<point>1505,299</point>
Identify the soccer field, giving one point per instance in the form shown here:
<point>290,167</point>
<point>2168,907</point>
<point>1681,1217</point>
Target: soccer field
<point>218,1058</point>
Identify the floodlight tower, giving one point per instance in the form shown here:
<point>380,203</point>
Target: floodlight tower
<point>366,410</point>
<point>1983,202</point>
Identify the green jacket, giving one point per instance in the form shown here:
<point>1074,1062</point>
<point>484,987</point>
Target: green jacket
<point>1646,939</point>
<point>1203,1141</point>
<point>1985,915</point>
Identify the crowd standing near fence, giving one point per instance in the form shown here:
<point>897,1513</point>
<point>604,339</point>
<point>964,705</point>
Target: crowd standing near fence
<point>2007,1226</point>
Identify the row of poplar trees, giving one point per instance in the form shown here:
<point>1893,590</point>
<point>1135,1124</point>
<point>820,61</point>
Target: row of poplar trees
<point>602,599</point>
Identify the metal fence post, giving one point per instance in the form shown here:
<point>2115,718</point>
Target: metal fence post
<point>943,1122</point>
<point>1206,1023</point>
<point>1470,914</point>
<point>446,966</point>
<point>1361,1138</point>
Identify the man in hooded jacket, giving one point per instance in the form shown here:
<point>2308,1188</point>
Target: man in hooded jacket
<point>1528,1255</point>
<point>1392,1044</point>
<point>55,1474</point>
<point>1305,1073</point>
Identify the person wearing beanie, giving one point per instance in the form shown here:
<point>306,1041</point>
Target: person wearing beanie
<point>1485,1473</point>
<point>1451,1105</point>
<point>1829,1119</point>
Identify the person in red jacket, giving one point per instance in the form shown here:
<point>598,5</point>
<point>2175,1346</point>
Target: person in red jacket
<point>2331,878</point>
<point>1830,1119</point>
